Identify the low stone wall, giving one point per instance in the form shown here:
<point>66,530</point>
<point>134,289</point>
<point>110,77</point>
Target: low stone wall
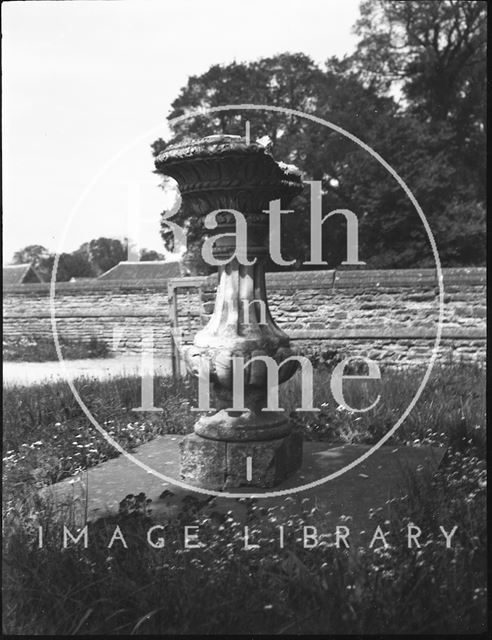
<point>90,309</point>
<point>388,315</point>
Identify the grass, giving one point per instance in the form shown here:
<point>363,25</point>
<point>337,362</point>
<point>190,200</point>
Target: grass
<point>38,348</point>
<point>222,589</point>
<point>453,396</point>
<point>47,437</point>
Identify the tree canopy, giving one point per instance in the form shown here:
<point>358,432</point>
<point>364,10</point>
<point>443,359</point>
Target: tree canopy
<point>90,260</point>
<point>414,91</point>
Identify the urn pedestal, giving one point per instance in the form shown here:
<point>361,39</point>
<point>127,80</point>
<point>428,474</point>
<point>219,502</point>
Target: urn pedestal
<point>252,447</point>
<point>222,464</point>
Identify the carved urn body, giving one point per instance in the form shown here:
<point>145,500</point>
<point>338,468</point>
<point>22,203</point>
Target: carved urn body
<point>223,175</point>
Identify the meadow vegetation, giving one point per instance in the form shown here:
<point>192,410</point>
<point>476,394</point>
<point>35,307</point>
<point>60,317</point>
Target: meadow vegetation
<point>38,348</point>
<point>222,588</point>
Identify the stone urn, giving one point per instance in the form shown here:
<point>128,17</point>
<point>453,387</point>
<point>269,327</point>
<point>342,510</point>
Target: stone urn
<point>254,446</point>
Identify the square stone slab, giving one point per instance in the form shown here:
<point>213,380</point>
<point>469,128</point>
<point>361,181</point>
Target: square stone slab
<point>98,491</point>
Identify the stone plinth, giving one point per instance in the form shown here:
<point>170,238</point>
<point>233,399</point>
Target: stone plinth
<point>223,465</point>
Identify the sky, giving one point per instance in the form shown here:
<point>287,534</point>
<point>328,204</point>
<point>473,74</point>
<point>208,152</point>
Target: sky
<point>87,86</point>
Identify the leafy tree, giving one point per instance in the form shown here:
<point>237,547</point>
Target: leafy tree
<point>148,255</point>
<point>433,51</point>
<point>268,81</point>
<point>33,253</point>
<point>295,82</point>
<point>103,253</point>
<point>434,48</point>
<point>89,260</point>
<point>414,91</point>
<point>39,257</point>
<point>71,265</point>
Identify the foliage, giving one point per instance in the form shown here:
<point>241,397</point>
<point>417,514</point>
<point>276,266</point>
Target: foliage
<point>453,399</point>
<point>295,82</point>
<point>38,348</point>
<point>90,260</point>
<point>37,256</point>
<point>103,253</point>
<point>414,91</point>
<point>435,51</point>
<point>46,430</point>
<point>149,255</point>
<point>221,588</point>
<point>70,265</point>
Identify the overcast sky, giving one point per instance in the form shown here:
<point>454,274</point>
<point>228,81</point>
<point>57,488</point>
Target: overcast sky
<point>87,83</point>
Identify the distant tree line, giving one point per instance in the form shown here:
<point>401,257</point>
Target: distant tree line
<point>414,90</point>
<point>90,260</point>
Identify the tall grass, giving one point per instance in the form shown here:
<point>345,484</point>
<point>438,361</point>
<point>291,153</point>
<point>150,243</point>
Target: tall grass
<point>38,348</point>
<point>221,588</point>
<point>47,436</point>
<point>453,400</point>
<point>32,411</point>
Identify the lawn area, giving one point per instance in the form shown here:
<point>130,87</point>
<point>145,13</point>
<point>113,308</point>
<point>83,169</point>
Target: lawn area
<point>223,589</point>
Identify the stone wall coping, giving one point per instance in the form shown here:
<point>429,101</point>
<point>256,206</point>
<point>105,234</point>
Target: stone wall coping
<point>358,278</point>
<point>43,288</point>
<point>385,333</point>
<point>388,333</point>
<point>92,313</point>
<point>328,279</point>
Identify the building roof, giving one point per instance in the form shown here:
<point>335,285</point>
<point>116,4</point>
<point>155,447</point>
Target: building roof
<point>20,274</point>
<point>151,270</point>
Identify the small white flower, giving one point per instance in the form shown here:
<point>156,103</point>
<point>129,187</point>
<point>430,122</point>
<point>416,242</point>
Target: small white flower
<point>264,141</point>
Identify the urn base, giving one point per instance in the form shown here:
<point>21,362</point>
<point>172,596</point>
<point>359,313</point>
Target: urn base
<point>222,465</point>
<point>239,426</point>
